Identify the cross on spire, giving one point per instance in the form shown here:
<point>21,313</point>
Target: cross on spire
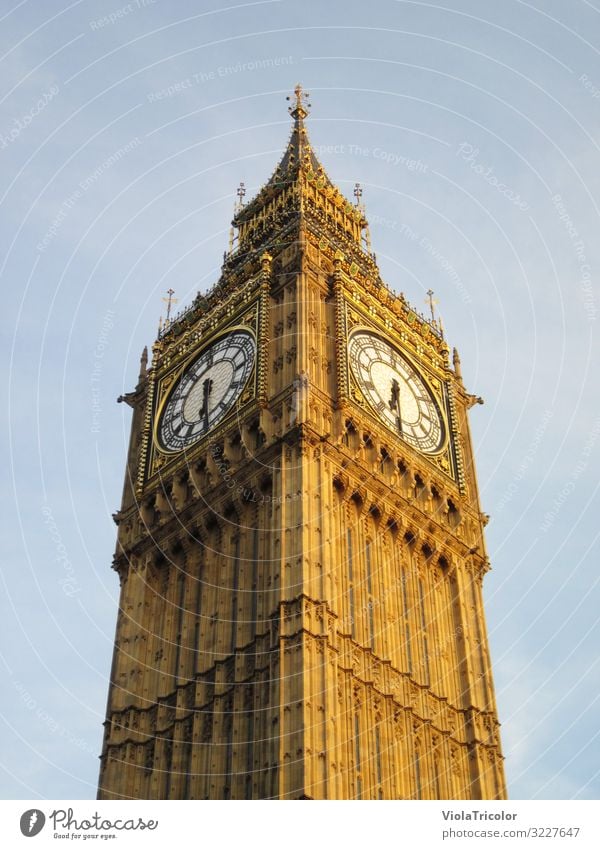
<point>358,193</point>
<point>241,194</point>
<point>299,110</point>
<point>169,301</point>
<point>432,303</point>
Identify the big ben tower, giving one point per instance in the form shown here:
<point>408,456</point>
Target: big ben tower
<point>300,541</point>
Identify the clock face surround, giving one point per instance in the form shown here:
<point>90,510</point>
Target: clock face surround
<point>207,390</point>
<point>396,391</point>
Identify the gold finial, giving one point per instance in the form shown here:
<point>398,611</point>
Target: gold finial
<point>300,109</point>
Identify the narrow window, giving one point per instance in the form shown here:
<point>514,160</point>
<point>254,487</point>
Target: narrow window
<point>438,789</point>
<point>370,602</point>
<point>406,622</point>
<point>418,772</point>
<point>351,584</point>
<point>378,761</point>
<point>424,631</point>
<point>357,756</point>
<point>484,682</point>
<point>196,642</point>
<point>228,734</point>
<point>254,604</point>
<point>179,615</point>
<point>186,757</point>
<point>234,591</point>
<point>250,746</point>
<point>197,628</point>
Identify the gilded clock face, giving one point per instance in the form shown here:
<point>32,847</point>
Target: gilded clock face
<point>396,391</point>
<point>207,390</point>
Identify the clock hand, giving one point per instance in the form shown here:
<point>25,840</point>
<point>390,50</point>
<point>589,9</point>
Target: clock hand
<point>206,390</point>
<point>395,403</point>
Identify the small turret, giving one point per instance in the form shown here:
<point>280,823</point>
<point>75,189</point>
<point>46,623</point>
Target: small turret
<point>456,364</point>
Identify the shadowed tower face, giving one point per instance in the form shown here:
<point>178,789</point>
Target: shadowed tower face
<point>300,542</point>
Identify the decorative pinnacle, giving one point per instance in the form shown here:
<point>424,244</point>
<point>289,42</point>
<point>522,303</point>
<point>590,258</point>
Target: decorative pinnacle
<point>169,301</point>
<point>432,303</point>
<point>300,110</point>
<point>358,193</point>
<point>143,364</point>
<point>456,363</point>
<point>240,195</point>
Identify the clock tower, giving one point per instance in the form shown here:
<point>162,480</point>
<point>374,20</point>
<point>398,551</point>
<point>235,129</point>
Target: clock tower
<point>300,541</point>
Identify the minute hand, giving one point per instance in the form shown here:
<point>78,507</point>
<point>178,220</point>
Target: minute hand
<point>395,403</point>
<point>206,390</point>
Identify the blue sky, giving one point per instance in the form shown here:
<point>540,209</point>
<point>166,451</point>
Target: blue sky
<point>125,129</point>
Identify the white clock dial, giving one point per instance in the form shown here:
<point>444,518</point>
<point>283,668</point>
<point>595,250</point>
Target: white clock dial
<point>207,390</point>
<point>396,391</point>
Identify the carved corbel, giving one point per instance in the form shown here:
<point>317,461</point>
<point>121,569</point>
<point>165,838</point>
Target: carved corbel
<point>359,497</point>
<point>341,482</point>
<point>472,400</point>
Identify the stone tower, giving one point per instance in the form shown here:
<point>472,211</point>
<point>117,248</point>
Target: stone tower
<point>300,541</point>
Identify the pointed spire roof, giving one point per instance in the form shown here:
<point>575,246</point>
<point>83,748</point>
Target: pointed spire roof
<point>298,154</point>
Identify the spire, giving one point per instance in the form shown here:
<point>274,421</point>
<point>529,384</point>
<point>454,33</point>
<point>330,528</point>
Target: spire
<point>297,156</point>
<point>298,184</point>
<point>299,150</point>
